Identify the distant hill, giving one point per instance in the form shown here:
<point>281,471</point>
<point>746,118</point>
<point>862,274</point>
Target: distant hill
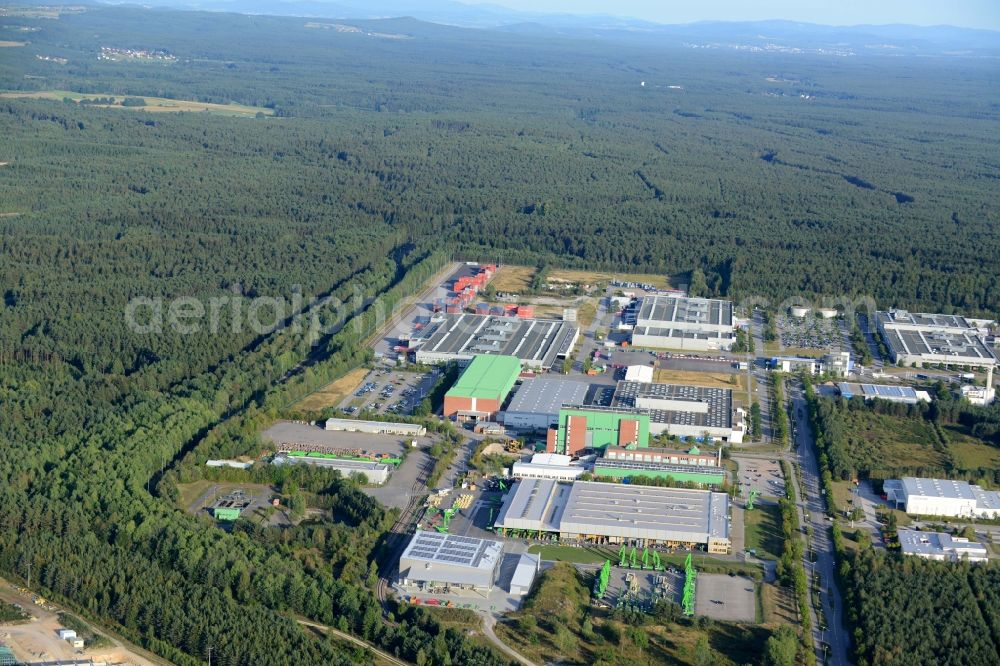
<point>751,36</point>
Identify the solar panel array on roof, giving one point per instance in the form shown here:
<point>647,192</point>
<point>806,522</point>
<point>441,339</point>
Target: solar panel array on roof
<point>688,405</point>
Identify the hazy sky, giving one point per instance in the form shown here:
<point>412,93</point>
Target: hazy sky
<point>966,13</point>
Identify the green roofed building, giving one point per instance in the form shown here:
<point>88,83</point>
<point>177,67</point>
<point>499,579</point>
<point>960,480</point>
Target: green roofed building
<point>596,427</point>
<point>482,389</point>
<point>226,514</point>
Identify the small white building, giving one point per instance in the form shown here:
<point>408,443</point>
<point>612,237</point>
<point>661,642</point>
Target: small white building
<point>547,466</point>
<point>639,373</point>
<point>978,395</point>
<point>524,574</point>
<point>67,634</point>
<point>941,546</point>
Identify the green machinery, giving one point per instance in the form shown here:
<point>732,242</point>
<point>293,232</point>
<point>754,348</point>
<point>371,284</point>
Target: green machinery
<point>650,558</point>
<point>750,499</point>
<point>603,578</point>
<point>443,527</point>
<point>502,484</point>
<point>687,602</point>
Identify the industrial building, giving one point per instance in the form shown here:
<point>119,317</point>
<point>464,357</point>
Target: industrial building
<point>595,427</point>
<point>376,427</point>
<point>448,562</point>
<point>615,513</point>
<point>942,497</point>
<point>684,411</point>
<point>626,469</point>
<point>693,456</point>
<point>940,546</point>
<point>538,343</point>
<point>904,394</point>
<point>676,322</point>
<point>919,338</point>
<point>375,473</point>
<point>536,404</point>
<point>524,574</point>
<point>482,388</point>
<point>978,395</point>
<point>547,466</point>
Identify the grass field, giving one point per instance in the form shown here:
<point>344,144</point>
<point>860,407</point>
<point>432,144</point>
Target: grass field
<point>331,394</point>
<point>7,45</point>
<point>153,104</point>
<point>514,279</point>
<point>879,441</point>
<point>763,531</point>
<point>574,554</point>
<point>969,452</point>
<point>779,605</point>
<point>735,381</point>
<point>517,279</point>
<point>586,312</point>
<point>593,277</point>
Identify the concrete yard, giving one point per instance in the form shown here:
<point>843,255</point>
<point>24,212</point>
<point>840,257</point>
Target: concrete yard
<point>287,432</point>
<point>405,482</point>
<point>760,474</point>
<point>724,597</point>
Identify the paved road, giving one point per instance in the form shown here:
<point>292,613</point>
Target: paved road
<point>489,621</point>
<point>821,543</point>
<point>877,363</point>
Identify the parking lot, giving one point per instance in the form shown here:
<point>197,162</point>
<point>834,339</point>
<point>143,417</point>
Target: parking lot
<point>389,391</point>
<point>724,597</point>
<point>810,332</point>
<point>760,474</point>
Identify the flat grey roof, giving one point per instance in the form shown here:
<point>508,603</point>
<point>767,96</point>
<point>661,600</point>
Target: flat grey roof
<point>676,309</point>
<point>956,345</point>
<point>943,488</point>
<point>453,550</point>
<point>534,504</point>
<point>616,510</point>
<point>884,391</point>
<point>667,332</point>
<point>913,542</point>
<point>719,403</point>
<point>922,319</point>
<point>546,396</point>
<point>536,341</point>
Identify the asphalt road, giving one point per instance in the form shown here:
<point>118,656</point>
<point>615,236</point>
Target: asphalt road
<point>836,636</point>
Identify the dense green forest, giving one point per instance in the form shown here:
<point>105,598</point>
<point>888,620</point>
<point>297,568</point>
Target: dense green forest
<point>384,157</point>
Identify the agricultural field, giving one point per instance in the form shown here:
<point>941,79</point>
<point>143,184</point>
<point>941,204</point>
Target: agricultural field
<point>331,394</point>
<point>153,104</point>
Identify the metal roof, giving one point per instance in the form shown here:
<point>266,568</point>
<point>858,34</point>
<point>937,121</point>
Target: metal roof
<point>883,391</point>
<point>487,377</point>
<point>616,510</point>
<point>678,404</point>
<point>453,550</point>
<point>537,342</point>
<point>546,396</point>
<point>939,544</point>
<point>665,310</point>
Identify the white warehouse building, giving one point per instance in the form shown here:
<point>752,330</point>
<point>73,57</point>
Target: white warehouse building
<point>942,497</point>
<point>676,322</point>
